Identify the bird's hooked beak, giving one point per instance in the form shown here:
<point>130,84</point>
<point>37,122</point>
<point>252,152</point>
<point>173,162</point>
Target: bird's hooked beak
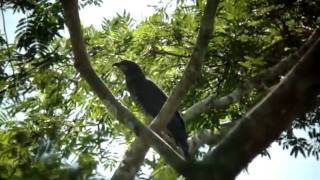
<point>116,64</point>
<point>120,66</point>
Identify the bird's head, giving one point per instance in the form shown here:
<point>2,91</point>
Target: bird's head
<point>129,68</point>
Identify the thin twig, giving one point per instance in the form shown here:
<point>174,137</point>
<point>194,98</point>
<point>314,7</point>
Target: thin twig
<point>6,37</point>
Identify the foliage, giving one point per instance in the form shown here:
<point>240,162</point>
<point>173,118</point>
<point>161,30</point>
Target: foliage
<point>49,115</point>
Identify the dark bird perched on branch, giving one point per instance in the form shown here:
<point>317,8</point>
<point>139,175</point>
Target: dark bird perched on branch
<point>151,99</point>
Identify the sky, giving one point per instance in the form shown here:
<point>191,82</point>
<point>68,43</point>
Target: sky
<point>281,166</point>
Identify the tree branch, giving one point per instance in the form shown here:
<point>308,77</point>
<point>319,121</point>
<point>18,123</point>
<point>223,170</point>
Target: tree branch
<point>274,72</point>
<point>293,96</point>
<point>82,64</point>
<point>193,70</point>
<point>162,52</point>
<point>6,38</point>
<point>209,137</point>
<point>137,151</point>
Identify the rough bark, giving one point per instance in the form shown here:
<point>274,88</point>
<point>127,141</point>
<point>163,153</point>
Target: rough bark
<point>135,154</point>
<point>297,92</point>
<point>212,138</point>
<point>83,66</point>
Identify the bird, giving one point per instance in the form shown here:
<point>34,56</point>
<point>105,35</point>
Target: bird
<point>150,98</point>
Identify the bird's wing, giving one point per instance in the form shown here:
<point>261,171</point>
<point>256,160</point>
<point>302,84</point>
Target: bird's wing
<point>149,96</point>
<point>176,125</point>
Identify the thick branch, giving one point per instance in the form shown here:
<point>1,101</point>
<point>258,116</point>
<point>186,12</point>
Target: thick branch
<point>137,151</point>
<point>82,64</point>
<point>293,96</point>
<point>272,73</point>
